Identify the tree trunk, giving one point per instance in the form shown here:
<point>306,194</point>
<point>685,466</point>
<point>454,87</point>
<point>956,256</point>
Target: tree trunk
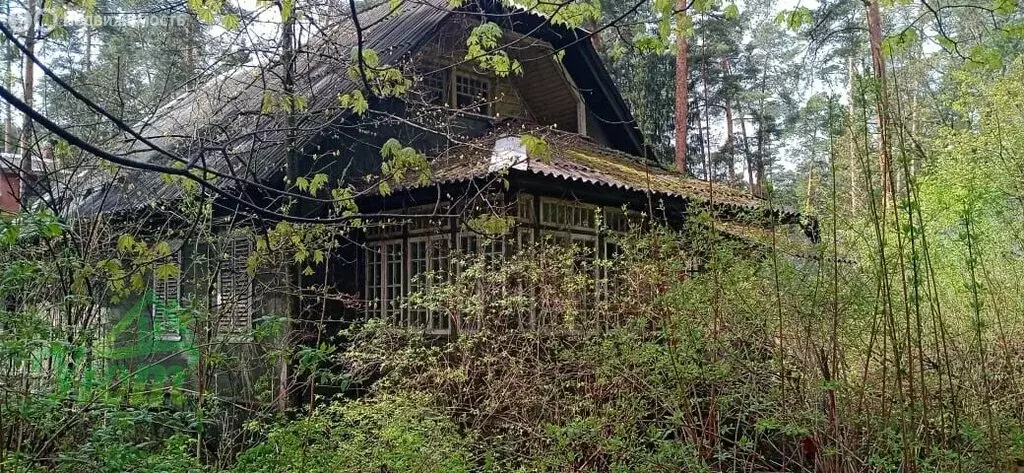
<point>294,273</point>
<point>88,45</point>
<point>730,147</point>
<point>595,38</point>
<point>8,80</point>
<point>28,85</point>
<point>878,63</point>
<point>853,138</point>
<point>811,187</point>
<point>746,151</point>
<point>762,136</point>
<point>759,159</point>
<point>682,89</point>
<point>916,162</point>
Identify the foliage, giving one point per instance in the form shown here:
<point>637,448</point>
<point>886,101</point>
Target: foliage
<point>388,433</point>
<point>891,345</point>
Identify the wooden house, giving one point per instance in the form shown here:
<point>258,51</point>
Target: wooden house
<point>553,145</point>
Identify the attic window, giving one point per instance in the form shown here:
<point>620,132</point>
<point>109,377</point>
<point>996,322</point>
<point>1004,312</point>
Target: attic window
<point>472,94</point>
<point>435,87</point>
<point>467,92</point>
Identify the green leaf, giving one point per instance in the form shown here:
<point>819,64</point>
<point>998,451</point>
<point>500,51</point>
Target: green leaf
<point>231,22</point>
<point>391,148</point>
<point>287,7</point>
<point>985,57</point>
<point>205,15</point>
<point>268,103</point>
<point>317,183</point>
<point>359,103</point>
<point>796,18</point>
<point>946,43</point>
<point>167,270</point>
<point>162,249</point>
<point>536,147</point>
<point>732,11</point>
<point>898,43</point>
<point>1005,7</point>
<point>125,243</point>
<point>302,183</point>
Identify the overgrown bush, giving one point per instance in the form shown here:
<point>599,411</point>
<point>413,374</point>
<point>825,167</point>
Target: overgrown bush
<point>688,351</point>
<point>386,433</point>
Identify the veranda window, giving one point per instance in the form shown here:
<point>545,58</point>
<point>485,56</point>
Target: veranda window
<point>396,265</point>
<point>395,269</point>
<point>568,215</point>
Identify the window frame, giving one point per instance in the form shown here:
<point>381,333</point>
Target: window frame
<point>229,323</point>
<point>481,104</point>
<point>437,83</point>
<point>441,88</point>
<point>562,214</point>
<point>433,257</point>
<point>562,221</point>
<point>161,322</point>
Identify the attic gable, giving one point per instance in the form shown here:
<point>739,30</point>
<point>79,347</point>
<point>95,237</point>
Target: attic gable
<point>540,91</point>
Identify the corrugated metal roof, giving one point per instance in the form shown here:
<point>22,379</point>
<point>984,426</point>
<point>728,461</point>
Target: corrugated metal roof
<point>572,157</point>
<point>222,124</point>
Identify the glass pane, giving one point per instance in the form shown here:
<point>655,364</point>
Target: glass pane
<point>417,273</point>
<point>393,282</point>
<point>374,280</point>
<point>472,94</point>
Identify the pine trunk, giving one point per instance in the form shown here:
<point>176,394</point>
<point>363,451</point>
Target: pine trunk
<point>878,63</point>
<point>853,138</point>
<point>8,80</point>
<point>730,147</point>
<point>28,86</point>
<point>595,38</point>
<point>759,160</point>
<point>682,91</point>
<point>811,185</point>
<point>746,152</point>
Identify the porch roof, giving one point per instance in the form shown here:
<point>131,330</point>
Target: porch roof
<point>573,157</point>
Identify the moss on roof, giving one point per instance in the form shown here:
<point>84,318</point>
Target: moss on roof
<point>573,157</point>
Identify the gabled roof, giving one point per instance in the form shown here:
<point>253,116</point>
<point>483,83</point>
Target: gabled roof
<point>221,124</point>
<point>575,158</point>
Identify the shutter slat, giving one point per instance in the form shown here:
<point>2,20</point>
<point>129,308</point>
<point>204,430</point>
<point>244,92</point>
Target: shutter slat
<point>235,288</point>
